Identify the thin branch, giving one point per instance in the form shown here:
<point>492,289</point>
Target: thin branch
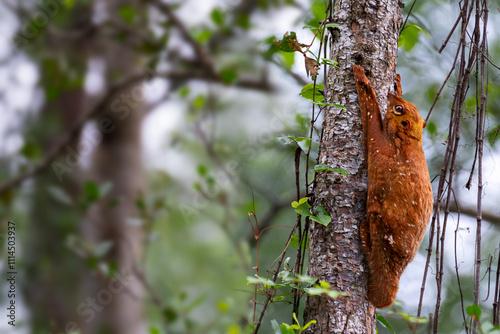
<point>479,147</point>
<point>459,283</point>
<point>200,51</point>
<point>407,16</point>
<point>72,134</point>
<point>275,277</point>
<point>496,299</point>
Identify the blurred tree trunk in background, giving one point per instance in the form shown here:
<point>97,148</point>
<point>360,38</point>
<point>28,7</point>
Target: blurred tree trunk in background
<point>118,161</point>
<point>51,268</point>
<point>65,291</point>
<point>367,35</point>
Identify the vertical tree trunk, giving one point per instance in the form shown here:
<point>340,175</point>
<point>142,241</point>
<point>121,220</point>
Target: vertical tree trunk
<point>51,268</point>
<point>117,160</point>
<point>367,35</point>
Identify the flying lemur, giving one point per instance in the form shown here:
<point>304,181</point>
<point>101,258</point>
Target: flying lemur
<point>399,202</point>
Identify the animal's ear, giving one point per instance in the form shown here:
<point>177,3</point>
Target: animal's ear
<point>393,98</point>
<point>397,85</point>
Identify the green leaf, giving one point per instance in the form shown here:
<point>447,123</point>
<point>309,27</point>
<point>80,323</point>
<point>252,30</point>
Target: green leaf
<point>331,25</point>
<point>194,304</point>
<point>289,43</point>
<point>315,291</point>
<point>412,318</point>
<point>324,284</point>
<point>493,135</point>
<point>285,139</point>
<point>60,195</point>
<point>422,30</point>
<point>304,143</point>
<point>276,327</point>
<point>306,279</point>
<point>385,323</point>
<point>401,40</point>
<point>91,191</point>
<point>285,329</point>
<point>322,216</point>
<point>311,92</point>
<point>321,168</point>
<point>474,311</point>
<point>222,306</point>
<point>303,200</point>
<point>140,204</point>
<point>69,3</point>
<point>199,101</point>
<point>326,168</point>
<point>228,76</point>
<point>329,62</point>
<point>127,13</point>
<point>202,170</point>
<point>52,92</point>
<point>170,314</point>
<point>303,209</point>
<point>409,36</point>
<point>312,322</point>
<point>294,241</point>
<point>154,330</point>
<point>315,57</point>
<point>324,104</point>
<point>201,35</point>
<point>31,150</point>
<point>184,91</point>
<point>279,298</point>
<point>431,128</point>
<point>243,21</point>
<point>317,13</point>
<point>307,26</point>
<point>287,59</point>
<point>259,280</point>
<point>296,320</point>
<point>218,17</point>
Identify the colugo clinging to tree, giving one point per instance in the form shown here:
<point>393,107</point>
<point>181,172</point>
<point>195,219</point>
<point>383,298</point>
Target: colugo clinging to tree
<point>399,202</point>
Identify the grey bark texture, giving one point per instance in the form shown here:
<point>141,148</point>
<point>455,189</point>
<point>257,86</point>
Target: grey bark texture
<point>367,35</point>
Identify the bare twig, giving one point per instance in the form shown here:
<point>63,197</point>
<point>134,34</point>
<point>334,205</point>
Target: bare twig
<point>201,52</point>
<point>479,148</point>
<point>72,134</point>
<point>456,266</point>
<point>466,63</point>
<point>496,299</point>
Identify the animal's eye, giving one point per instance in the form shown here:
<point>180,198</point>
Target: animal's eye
<point>398,110</point>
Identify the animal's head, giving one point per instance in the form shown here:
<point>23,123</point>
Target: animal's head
<point>403,117</point>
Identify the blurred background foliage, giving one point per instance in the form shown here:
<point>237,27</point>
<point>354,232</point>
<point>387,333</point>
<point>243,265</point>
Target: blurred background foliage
<point>210,149</point>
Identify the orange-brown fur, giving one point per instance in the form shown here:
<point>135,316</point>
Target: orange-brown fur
<point>399,202</point>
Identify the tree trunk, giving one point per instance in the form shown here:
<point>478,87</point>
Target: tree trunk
<point>367,35</point>
<point>118,161</point>
<point>51,268</point>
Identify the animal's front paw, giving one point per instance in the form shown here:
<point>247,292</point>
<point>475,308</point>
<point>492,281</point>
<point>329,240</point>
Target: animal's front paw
<point>360,77</point>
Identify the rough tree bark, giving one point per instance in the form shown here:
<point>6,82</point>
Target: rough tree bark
<point>367,35</point>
